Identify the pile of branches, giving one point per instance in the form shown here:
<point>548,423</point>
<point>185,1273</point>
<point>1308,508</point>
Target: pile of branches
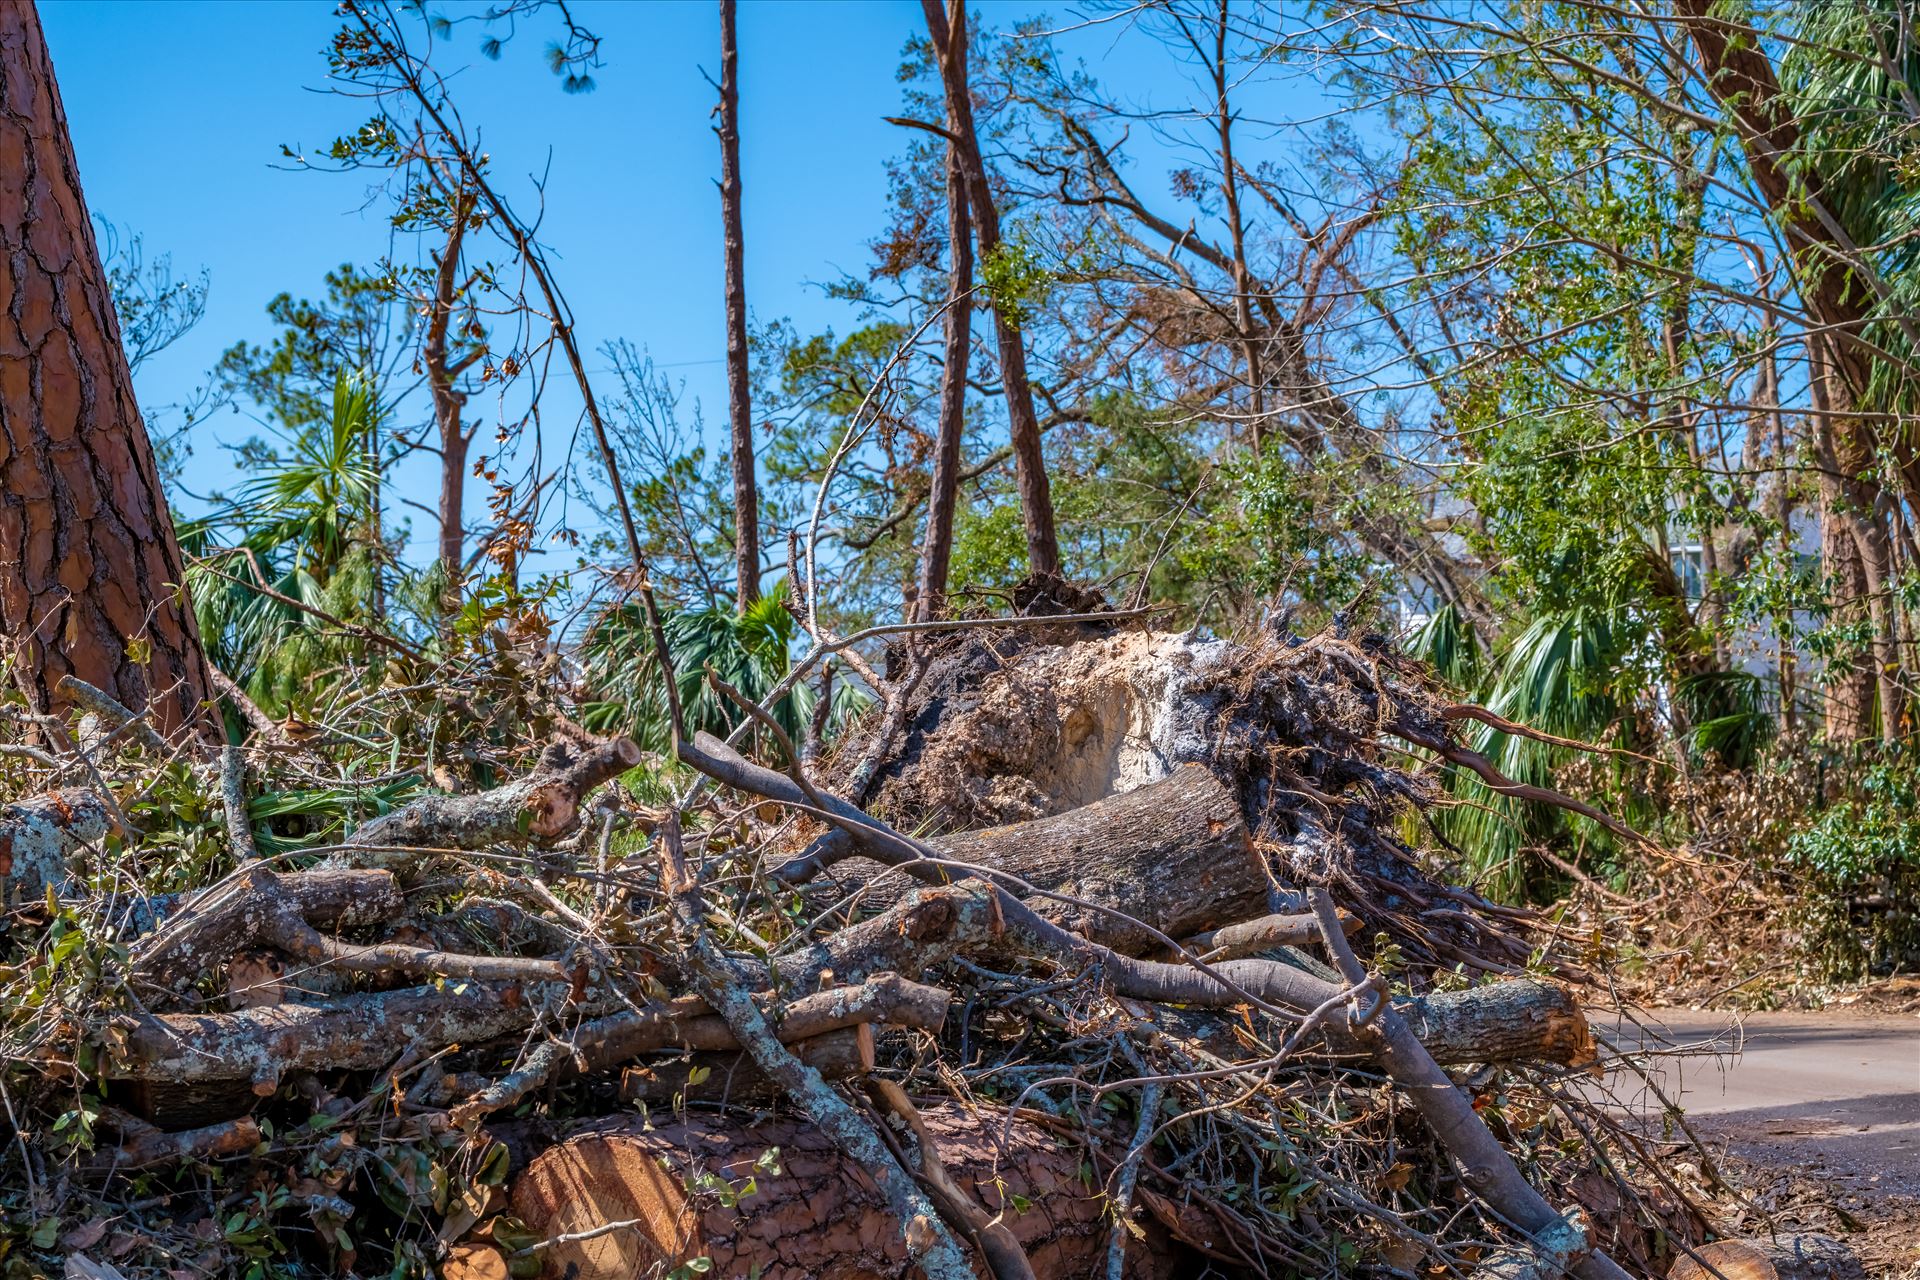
<point>1095,951</point>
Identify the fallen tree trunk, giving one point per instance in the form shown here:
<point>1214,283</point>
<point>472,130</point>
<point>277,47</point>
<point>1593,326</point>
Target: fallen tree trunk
<point>1525,1020</point>
<point>1781,1257</point>
<point>367,1030</point>
<point>353,1033</point>
<point>820,1217</point>
<point>1173,855</point>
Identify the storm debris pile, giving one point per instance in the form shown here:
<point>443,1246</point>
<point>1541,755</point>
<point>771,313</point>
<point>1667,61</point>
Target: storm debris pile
<point>1093,951</point>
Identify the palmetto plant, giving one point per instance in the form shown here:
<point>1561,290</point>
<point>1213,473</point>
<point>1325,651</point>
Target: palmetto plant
<point>316,502</point>
<point>751,651</point>
<point>301,529</point>
<point>1558,676</point>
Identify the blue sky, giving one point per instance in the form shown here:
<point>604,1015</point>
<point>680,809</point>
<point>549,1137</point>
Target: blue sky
<point>178,112</point>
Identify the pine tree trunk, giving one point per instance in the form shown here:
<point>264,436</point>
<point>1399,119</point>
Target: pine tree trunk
<point>945,483</point>
<point>90,574</point>
<point>746,496</point>
<point>949,34</point>
<point>817,1217</point>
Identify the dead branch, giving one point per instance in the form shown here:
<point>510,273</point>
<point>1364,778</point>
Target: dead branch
<point>543,805</point>
<point>1264,934</point>
<point>244,910</point>
<point>354,1032</point>
<point>999,1246</point>
<point>836,1056</point>
<point>1484,1164</point>
<point>689,1024</point>
<point>142,1144</point>
<point>722,986</point>
<point>1499,782</point>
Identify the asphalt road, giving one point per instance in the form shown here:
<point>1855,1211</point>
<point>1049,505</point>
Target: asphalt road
<point>1833,1094</point>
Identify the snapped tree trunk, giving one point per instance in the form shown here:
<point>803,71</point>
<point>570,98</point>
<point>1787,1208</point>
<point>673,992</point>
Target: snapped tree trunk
<point>91,578</point>
<point>949,33</point>
<point>449,401</point>
<point>945,483</point>
<point>746,497</point>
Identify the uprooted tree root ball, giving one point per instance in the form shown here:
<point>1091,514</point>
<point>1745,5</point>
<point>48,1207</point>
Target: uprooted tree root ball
<point>1106,1014</point>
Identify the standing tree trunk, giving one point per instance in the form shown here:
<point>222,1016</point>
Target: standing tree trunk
<point>1236,226</point>
<point>1862,571</point>
<point>949,32</point>
<point>1850,697</point>
<point>953,393</point>
<point>91,579</point>
<point>746,496</point>
<point>443,372</point>
<point>1836,286</point>
<point>1783,515</point>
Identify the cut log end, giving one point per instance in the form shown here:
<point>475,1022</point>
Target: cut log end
<point>1782,1257</point>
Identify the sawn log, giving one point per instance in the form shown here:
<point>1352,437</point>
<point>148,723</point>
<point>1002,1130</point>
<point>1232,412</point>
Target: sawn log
<point>819,1217</point>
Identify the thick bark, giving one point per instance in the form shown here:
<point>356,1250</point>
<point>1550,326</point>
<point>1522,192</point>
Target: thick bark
<point>998,1246</point>
<point>820,1218</point>
<point>949,33</point>
<point>90,574</point>
<point>944,485</point>
<point>1856,554</point>
<point>746,494</point>
<point>1173,855</point>
<point>724,985</point>
<point>734,1078</point>
<point>1781,1257</point>
<point>1849,697</point>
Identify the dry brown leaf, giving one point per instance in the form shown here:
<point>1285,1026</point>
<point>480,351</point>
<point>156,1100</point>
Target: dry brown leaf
<point>84,1236</point>
<point>475,1262</point>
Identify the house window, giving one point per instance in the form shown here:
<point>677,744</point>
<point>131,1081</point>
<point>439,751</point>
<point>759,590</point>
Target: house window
<point>1690,567</point>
